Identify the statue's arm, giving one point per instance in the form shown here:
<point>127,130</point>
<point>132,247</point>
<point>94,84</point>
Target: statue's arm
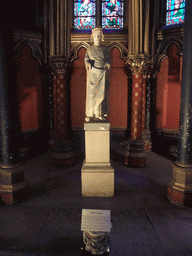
<point>87,61</point>
<point>107,59</point>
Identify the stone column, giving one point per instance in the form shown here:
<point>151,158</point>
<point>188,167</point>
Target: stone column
<point>180,186</point>
<point>59,56</point>
<point>138,60</point>
<point>12,183</point>
<point>137,64</point>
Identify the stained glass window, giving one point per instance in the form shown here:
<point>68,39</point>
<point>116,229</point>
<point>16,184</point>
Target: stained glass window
<point>175,12</point>
<point>112,14</point>
<point>84,14</point>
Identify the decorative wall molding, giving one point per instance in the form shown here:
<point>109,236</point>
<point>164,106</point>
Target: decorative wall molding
<point>162,50</point>
<point>123,50</point>
<point>31,39</point>
<point>108,37</point>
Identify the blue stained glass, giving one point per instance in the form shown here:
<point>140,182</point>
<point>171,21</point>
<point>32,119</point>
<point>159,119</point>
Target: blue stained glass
<point>112,14</point>
<point>175,12</point>
<point>84,14</point>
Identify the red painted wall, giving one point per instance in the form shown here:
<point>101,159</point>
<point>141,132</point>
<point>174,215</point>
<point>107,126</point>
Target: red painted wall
<point>78,91</point>
<point>118,95</point>
<point>168,91</point>
<point>161,94</point>
<point>29,82</point>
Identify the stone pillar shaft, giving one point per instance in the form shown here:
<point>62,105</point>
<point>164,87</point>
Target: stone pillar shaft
<point>180,186</point>
<point>12,184</point>
<point>60,60</point>
<point>144,102</point>
<point>9,113</point>
<point>185,153</point>
<point>148,103</point>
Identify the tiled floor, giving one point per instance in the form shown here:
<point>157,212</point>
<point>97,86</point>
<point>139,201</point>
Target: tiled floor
<point>144,221</point>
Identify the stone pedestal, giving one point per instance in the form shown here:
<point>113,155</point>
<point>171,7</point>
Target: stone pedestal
<point>97,175</point>
<point>180,185</point>
<point>13,187</point>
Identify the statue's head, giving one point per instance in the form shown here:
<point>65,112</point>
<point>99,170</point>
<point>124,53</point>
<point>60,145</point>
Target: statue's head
<point>97,35</point>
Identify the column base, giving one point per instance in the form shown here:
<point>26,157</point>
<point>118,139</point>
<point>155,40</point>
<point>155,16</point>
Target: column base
<point>147,146</point>
<point>137,160</point>
<point>137,156</point>
<point>13,187</point>
<point>120,151</point>
<point>180,186</point>
<point>97,180</point>
<point>120,156</point>
<point>63,154</point>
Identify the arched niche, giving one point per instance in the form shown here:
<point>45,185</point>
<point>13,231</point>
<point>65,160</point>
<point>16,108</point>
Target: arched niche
<point>168,84</point>
<point>29,87</point>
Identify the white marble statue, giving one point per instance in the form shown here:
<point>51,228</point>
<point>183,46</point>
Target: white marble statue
<point>97,63</point>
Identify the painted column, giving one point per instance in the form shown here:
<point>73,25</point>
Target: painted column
<point>12,183</point>
<point>60,98</point>
<point>137,104</point>
<point>138,64</point>
<point>138,60</point>
<point>144,101</point>
<point>59,56</point>
<point>146,133</point>
<point>180,186</point>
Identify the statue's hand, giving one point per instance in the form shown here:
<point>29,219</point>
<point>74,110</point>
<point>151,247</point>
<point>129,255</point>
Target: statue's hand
<point>88,66</point>
<point>107,66</point>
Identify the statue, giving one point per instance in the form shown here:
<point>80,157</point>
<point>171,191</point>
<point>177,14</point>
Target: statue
<point>97,63</point>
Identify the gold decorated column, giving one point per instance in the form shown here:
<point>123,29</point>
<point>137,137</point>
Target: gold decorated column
<point>138,61</point>
<point>59,20</point>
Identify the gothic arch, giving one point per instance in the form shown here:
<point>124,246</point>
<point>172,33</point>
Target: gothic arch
<point>123,50</point>
<point>76,48</point>
<point>36,51</point>
<point>162,50</point>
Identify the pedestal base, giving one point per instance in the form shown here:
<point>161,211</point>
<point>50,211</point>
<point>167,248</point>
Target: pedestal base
<point>97,180</point>
<point>120,156</point>
<point>13,187</point>
<point>180,186</point>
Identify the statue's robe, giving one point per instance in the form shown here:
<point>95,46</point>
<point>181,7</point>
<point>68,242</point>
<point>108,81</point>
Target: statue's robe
<point>97,100</point>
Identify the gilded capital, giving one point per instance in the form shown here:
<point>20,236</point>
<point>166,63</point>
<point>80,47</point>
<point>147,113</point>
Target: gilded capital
<point>59,64</point>
<point>138,63</point>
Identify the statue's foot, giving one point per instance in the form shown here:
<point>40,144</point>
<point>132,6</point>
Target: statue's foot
<point>98,117</point>
<point>87,119</point>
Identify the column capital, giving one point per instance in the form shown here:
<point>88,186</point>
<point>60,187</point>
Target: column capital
<point>59,64</point>
<point>138,63</point>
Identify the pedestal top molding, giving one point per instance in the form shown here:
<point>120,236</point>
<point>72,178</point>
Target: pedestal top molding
<point>97,126</point>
